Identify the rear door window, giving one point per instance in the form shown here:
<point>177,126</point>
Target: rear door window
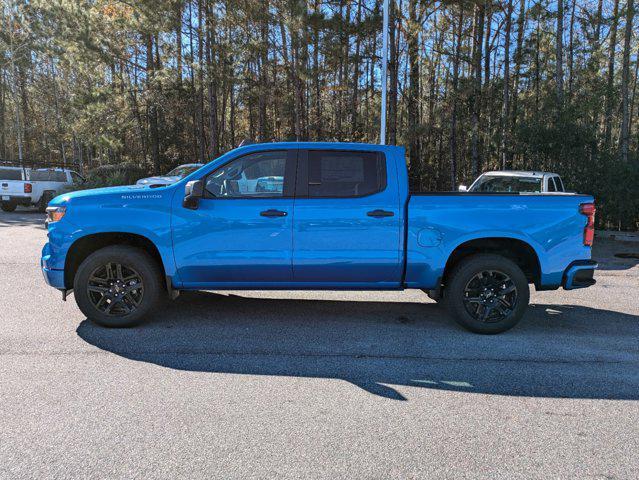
<point>48,176</point>
<point>344,174</point>
<point>551,185</point>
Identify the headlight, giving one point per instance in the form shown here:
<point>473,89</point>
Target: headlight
<point>55,214</point>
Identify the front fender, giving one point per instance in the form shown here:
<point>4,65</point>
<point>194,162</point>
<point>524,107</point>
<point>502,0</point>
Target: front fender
<point>126,214</point>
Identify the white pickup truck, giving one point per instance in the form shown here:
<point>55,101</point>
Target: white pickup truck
<point>510,181</point>
<point>37,187</point>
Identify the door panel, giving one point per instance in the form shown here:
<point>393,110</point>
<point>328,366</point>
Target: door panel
<point>241,232</point>
<point>351,239</point>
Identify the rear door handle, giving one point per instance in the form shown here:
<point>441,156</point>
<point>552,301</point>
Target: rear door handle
<point>273,213</point>
<point>380,213</point>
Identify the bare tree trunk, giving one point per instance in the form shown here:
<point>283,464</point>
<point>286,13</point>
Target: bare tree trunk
<point>624,138</point>
<point>506,160</point>
<point>356,72</point>
<point>560,54</point>
<point>153,114</point>
<point>214,147</point>
<point>57,111</point>
<point>263,66</point>
<point>412,34</point>
<point>3,109</point>
<point>486,100</point>
<point>571,49</point>
<point>611,75</point>
<point>521,20</point>
<point>598,26</point>
<point>393,71</point>
<point>26,121</point>
<point>537,65</point>
<point>200,86</point>
<point>317,104</point>
<point>178,40</point>
<point>478,36</point>
<point>455,87</point>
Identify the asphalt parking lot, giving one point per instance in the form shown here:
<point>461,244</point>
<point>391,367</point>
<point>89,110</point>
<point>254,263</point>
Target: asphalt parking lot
<point>316,384</point>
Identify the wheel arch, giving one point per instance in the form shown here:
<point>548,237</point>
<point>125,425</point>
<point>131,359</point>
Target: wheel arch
<point>515,249</point>
<point>84,246</point>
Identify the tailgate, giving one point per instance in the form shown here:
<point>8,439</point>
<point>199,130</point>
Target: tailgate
<point>14,188</point>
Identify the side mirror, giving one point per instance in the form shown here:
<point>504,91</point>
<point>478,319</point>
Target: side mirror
<point>462,188</point>
<point>193,191</point>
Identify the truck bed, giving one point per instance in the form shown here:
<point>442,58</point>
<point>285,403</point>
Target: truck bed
<point>439,223</point>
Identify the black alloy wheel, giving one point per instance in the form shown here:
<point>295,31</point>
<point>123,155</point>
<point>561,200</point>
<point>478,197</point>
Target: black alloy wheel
<point>490,296</point>
<point>115,289</point>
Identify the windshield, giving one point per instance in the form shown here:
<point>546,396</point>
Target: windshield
<point>501,184</point>
<point>182,171</point>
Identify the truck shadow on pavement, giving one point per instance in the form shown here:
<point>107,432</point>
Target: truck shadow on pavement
<point>22,218</point>
<point>384,347</point>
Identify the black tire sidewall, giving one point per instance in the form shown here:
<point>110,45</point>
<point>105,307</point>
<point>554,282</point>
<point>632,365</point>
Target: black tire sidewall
<point>461,276</point>
<point>44,201</point>
<point>9,207</point>
<point>135,258</point>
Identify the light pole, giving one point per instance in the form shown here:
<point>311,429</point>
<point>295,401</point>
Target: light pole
<point>382,127</point>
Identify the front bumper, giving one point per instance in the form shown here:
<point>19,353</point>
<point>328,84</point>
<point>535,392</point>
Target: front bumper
<point>579,274</point>
<point>52,276</point>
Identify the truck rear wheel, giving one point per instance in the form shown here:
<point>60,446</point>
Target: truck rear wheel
<point>117,286</point>
<point>487,293</point>
<point>44,201</point>
<point>9,206</point>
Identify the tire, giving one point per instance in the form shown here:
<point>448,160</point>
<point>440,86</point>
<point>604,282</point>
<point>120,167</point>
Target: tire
<point>9,207</point>
<point>44,201</point>
<point>96,286</point>
<point>487,293</point>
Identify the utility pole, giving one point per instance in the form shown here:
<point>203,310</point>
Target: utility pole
<point>382,127</point>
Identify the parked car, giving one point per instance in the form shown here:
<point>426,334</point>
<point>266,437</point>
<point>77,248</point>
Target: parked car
<point>173,176</point>
<point>513,181</point>
<point>343,220</point>
<point>35,187</point>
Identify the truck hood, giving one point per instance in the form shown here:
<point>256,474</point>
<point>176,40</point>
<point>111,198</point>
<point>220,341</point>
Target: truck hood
<point>99,194</point>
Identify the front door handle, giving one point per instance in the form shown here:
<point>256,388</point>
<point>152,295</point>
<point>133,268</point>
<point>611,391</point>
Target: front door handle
<point>273,213</point>
<point>380,213</point>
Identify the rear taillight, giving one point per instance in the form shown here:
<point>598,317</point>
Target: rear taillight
<point>588,209</point>
<point>28,188</point>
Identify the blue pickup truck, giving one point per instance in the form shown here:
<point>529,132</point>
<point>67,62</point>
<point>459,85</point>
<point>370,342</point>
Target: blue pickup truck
<point>334,216</point>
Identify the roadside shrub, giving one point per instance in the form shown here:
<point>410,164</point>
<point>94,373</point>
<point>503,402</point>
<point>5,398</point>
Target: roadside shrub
<point>113,175</point>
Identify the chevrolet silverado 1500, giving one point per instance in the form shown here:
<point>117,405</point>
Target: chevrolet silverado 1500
<point>314,216</point>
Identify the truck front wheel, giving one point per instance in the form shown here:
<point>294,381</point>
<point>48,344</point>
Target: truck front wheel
<point>487,293</point>
<point>117,286</point>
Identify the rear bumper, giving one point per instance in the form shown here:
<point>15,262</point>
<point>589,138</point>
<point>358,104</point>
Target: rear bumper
<point>18,200</point>
<point>579,274</point>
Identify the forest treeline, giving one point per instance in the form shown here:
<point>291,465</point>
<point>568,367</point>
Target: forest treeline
<point>473,85</point>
